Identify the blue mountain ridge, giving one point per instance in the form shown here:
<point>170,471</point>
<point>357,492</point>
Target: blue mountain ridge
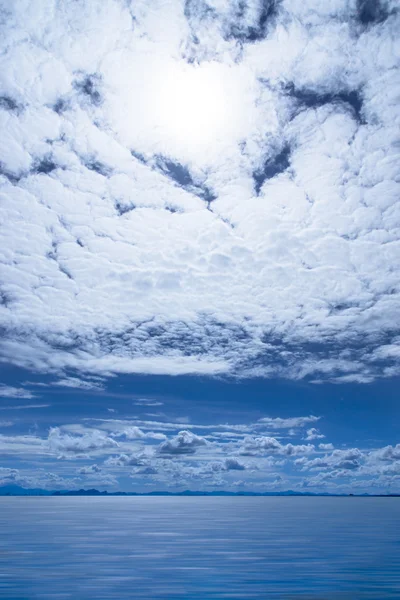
<point>15,490</point>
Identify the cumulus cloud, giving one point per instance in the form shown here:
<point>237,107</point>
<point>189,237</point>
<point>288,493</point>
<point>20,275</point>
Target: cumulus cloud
<point>146,234</point>
<point>232,464</point>
<point>264,445</point>
<point>325,447</point>
<point>388,453</point>
<point>123,460</point>
<point>341,460</point>
<point>91,470</point>
<point>66,444</point>
<point>313,434</point>
<point>186,442</point>
<point>41,479</point>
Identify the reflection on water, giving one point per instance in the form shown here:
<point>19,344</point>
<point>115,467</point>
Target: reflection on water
<point>200,548</point>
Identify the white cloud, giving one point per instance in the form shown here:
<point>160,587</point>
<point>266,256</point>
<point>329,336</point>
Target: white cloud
<point>65,444</point>
<point>313,434</point>
<point>39,479</point>
<point>7,391</point>
<point>388,453</point>
<point>289,423</point>
<point>123,460</point>
<point>342,460</point>
<point>91,470</point>
<point>264,445</point>
<point>147,402</point>
<point>264,243</point>
<point>325,447</point>
<point>75,382</point>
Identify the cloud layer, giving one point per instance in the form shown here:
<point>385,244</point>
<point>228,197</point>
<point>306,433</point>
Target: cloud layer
<point>142,455</point>
<point>265,242</point>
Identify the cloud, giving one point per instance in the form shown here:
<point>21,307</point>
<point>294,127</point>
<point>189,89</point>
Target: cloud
<point>123,460</point>
<point>39,479</point>
<point>344,460</point>
<point>24,406</point>
<point>232,464</point>
<point>139,238</point>
<point>66,444</point>
<point>75,382</point>
<point>264,445</point>
<point>388,453</point>
<point>135,433</point>
<point>313,434</point>
<point>279,423</point>
<point>91,470</point>
<point>325,447</point>
<point>185,442</point>
<point>7,391</point>
<point>147,402</point>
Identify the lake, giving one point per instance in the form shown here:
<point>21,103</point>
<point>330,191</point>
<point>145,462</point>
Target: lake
<point>199,548</point>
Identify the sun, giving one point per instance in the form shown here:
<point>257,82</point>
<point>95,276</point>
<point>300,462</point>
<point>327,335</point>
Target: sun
<point>191,105</point>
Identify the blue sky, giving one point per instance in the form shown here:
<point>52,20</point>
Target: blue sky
<point>199,282</point>
<point>124,432</point>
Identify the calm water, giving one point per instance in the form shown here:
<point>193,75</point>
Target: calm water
<point>202,548</point>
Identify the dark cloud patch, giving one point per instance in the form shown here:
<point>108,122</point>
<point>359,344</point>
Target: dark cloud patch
<point>173,209</point>
<point>60,106</point>
<point>354,100</point>
<point>5,299</point>
<point>53,255</point>
<point>306,98</point>
<point>98,167</point>
<point>147,339</point>
<point>273,166</point>
<point>341,307</point>
<point>372,11</point>
<point>45,165</point>
<point>140,157</point>
<point>89,87</point>
<point>185,442</point>
<point>246,28</point>
<point>181,175</point>
<point>122,209</point>
<point>197,9</point>
<point>205,194</point>
<point>12,177</point>
<point>232,464</point>
<point>8,103</point>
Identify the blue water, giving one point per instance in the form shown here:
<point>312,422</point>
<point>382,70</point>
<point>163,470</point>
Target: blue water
<point>200,548</point>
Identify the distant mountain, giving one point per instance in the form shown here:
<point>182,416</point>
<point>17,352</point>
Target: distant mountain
<point>15,490</point>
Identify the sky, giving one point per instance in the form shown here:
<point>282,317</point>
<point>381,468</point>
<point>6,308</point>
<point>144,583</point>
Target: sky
<point>200,245</point>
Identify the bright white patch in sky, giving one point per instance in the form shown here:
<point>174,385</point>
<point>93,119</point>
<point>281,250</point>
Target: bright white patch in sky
<point>191,105</point>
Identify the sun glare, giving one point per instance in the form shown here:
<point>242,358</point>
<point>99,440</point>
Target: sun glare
<point>192,104</point>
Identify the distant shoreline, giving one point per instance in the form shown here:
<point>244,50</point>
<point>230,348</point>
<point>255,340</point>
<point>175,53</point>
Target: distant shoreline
<point>16,491</point>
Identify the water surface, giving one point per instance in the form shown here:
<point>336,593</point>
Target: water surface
<point>199,548</point>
